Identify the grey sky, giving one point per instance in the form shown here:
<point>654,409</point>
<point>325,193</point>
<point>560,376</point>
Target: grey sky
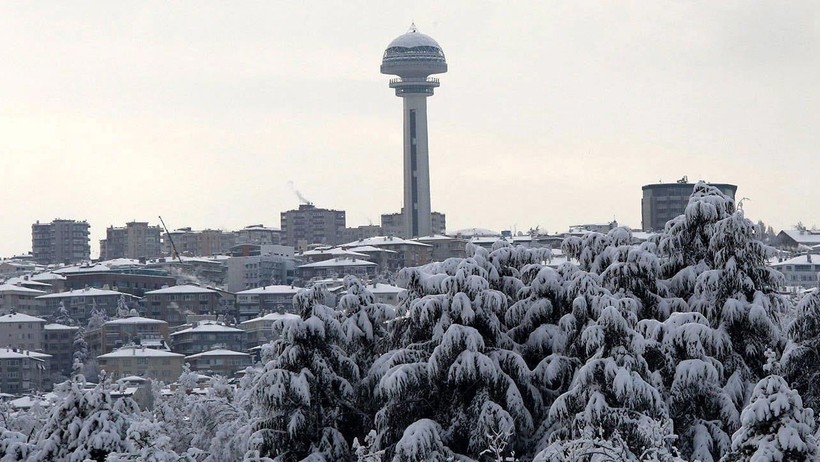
<point>551,114</point>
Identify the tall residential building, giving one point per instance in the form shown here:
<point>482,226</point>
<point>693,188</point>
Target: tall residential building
<point>312,226</point>
<point>258,234</point>
<point>61,241</point>
<point>664,201</point>
<point>413,57</point>
<point>204,243</point>
<point>135,240</point>
<point>393,224</point>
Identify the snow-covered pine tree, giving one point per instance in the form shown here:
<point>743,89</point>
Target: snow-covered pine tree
<point>84,425</point>
<point>122,308</point>
<point>62,316</point>
<point>454,374</point>
<point>802,355</point>
<point>97,317</point>
<point>304,398</point>
<point>364,327</point>
<point>612,391</point>
<point>775,426</point>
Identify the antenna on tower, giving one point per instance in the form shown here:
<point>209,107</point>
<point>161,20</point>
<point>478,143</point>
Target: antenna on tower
<point>413,27</point>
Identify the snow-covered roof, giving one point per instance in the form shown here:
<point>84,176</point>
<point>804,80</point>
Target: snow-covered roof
<point>377,241</point>
<point>207,326</point>
<point>274,289</point>
<point>335,252</point>
<point>435,237</point>
<point>338,262</point>
<point>115,262</point>
<point>19,290</point>
<point>272,317</point>
<point>17,353</point>
<point>217,352</point>
<point>181,289</point>
<point>413,39</point>
<point>87,292</point>
<point>20,317</point>
<point>808,237</point>
<point>82,269</point>
<point>806,259</point>
<point>379,288</point>
<point>138,351</point>
<point>370,248</point>
<point>133,378</point>
<point>48,276</point>
<point>55,326</point>
<point>26,281</point>
<point>27,402</point>
<point>468,232</point>
<point>134,320</point>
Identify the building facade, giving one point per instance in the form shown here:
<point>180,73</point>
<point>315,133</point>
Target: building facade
<point>19,299</point>
<point>61,241</point>
<point>258,234</point>
<point>260,270</point>
<point>393,224</point>
<point>312,225</point>
<point>143,362</point>
<point>21,371</point>
<point>261,330</point>
<point>206,336</point>
<point>117,333</point>
<point>18,330</point>
<point>219,361</point>
<point>174,304</point>
<point>269,299</point>
<point>58,341</point>
<point>134,240</point>
<point>664,201</point>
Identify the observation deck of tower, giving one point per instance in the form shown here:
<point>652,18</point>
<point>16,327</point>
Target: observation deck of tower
<point>413,57</point>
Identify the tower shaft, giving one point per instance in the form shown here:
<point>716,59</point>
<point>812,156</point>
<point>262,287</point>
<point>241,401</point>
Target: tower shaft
<point>417,212</point>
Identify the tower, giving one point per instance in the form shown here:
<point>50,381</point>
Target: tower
<point>413,57</point>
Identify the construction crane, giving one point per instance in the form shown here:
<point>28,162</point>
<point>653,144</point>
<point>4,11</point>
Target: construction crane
<point>168,233</point>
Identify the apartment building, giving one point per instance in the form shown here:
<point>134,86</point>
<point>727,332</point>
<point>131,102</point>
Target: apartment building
<point>22,371</point>
<point>61,241</point>
<point>311,225</point>
<point>58,341</point>
<point>174,304</point>
<point>269,299</point>
<point>116,333</point>
<point>20,299</point>
<point>136,239</point>
<point>219,361</point>
<point>18,330</point>
<point>144,362</point>
<point>205,336</point>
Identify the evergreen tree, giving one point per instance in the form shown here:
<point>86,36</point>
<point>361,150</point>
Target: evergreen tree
<point>62,316</point>
<point>802,355</point>
<point>775,426</point>
<point>304,399</point>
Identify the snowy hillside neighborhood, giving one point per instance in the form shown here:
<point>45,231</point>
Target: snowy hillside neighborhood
<point>654,321</point>
<point>695,342</point>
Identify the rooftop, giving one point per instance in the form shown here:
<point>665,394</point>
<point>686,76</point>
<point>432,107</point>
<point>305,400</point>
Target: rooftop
<point>273,289</point>
<point>20,317</point>
<point>181,289</point>
<point>134,320</point>
<point>207,326</point>
<point>139,351</point>
<point>217,352</point>
<point>87,292</point>
<point>338,262</point>
<point>55,326</point>
<point>272,317</point>
<point>18,353</point>
<point>19,290</point>
<point>382,241</point>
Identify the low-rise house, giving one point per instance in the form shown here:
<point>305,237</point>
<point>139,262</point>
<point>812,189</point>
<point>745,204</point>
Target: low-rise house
<point>19,298</point>
<point>56,281</point>
<point>444,247</point>
<point>174,304</point>
<point>144,362</point>
<point>116,333</point>
<point>385,293</point>
<point>260,330</point>
<point>219,361</point>
<point>269,299</point>
<point>58,341</point>
<point>205,336</point>
<point>22,371</point>
<point>18,330</point>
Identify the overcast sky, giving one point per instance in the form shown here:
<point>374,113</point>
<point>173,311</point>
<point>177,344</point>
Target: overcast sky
<point>552,113</point>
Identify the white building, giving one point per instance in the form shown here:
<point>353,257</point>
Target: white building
<point>268,299</point>
<point>18,330</point>
<point>802,271</point>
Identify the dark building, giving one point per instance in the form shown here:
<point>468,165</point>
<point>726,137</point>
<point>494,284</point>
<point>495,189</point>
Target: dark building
<point>664,201</point>
<point>393,224</point>
<point>61,241</point>
<point>311,225</point>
